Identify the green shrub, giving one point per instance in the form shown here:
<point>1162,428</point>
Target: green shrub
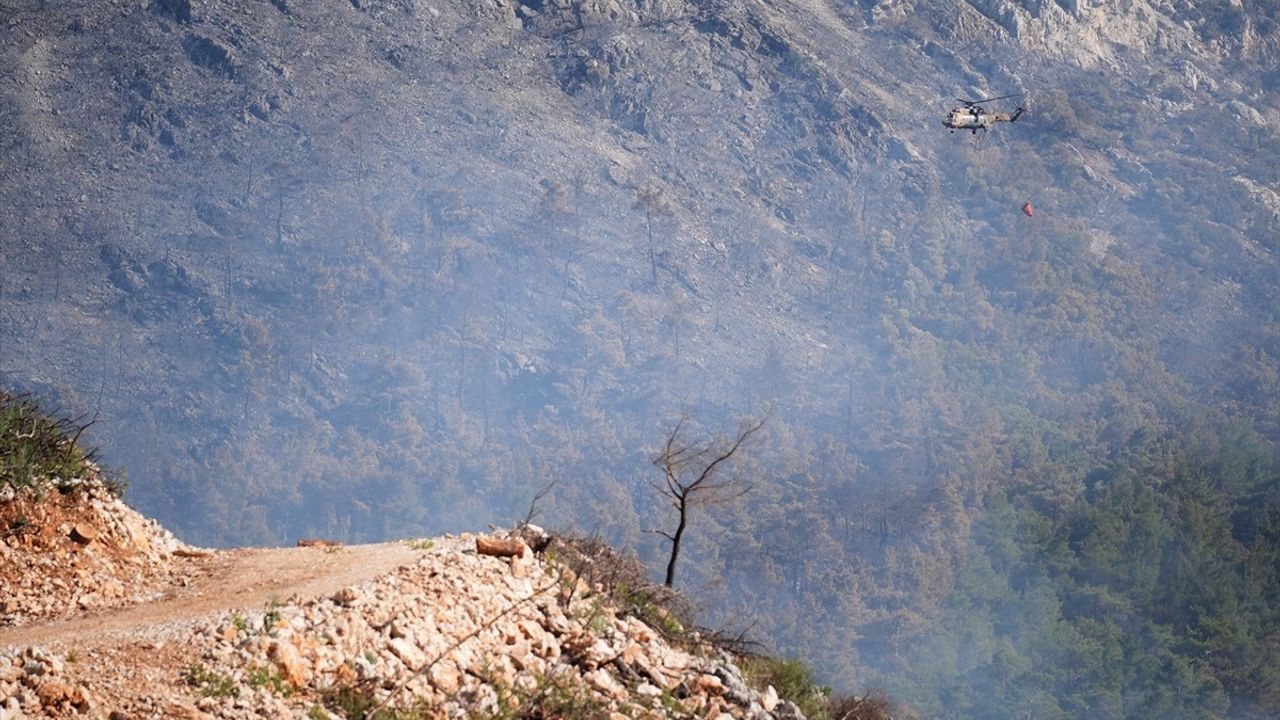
<point>358,702</point>
<point>792,679</point>
<point>557,697</point>
<point>643,605</point>
<point>268,676</point>
<point>38,450</point>
<point>211,683</point>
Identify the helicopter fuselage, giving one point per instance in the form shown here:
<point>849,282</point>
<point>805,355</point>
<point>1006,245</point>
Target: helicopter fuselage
<point>975,118</point>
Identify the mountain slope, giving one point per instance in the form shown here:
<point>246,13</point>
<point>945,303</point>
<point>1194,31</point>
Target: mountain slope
<point>390,267</point>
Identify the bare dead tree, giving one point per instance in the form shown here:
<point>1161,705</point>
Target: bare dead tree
<point>654,204</point>
<point>689,478</point>
<point>534,510</point>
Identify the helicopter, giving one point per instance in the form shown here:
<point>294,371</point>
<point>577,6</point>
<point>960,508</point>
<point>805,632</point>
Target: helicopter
<point>973,117</point>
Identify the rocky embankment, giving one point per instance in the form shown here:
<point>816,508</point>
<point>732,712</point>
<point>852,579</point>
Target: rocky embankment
<point>78,548</point>
<point>452,632</point>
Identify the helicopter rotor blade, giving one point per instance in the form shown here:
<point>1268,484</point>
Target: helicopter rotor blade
<point>992,99</point>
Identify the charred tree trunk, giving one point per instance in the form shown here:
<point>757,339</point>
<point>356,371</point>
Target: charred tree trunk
<point>683,507</point>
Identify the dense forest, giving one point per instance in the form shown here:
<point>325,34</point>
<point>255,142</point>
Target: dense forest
<point>1152,594</point>
<point>381,269</point>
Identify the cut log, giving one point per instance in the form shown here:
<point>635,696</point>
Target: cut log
<point>316,542</point>
<point>500,547</point>
<point>190,552</point>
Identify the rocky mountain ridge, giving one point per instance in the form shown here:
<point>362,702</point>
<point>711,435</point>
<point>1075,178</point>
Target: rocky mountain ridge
<point>451,633</point>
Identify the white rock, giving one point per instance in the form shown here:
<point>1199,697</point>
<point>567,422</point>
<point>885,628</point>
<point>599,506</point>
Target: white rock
<point>606,683</point>
<point>647,690</point>
<point>769,699</point>
<point>408,653</point>
<point>365,669</point>
<point>445,677</point>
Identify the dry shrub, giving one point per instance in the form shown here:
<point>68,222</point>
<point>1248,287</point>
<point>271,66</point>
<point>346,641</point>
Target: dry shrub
<point>875,705</point>
<point>625,580</point>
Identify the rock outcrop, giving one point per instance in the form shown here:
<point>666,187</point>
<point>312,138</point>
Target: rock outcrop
<point>476,626</point>
<point>78,548</point>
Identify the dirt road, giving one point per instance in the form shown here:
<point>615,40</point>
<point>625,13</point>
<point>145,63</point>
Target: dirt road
<point>226,580</point>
